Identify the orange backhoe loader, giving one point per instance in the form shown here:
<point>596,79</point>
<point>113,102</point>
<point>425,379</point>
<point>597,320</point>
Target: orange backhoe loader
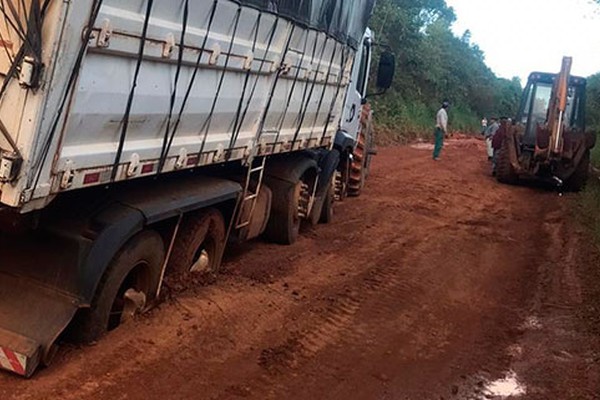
<point>547,140</point>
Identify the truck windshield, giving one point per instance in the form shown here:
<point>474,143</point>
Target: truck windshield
<point>541,103</point>
<point>538,103</point>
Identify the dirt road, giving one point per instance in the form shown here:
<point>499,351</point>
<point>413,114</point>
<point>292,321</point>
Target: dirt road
<point>437,283</point>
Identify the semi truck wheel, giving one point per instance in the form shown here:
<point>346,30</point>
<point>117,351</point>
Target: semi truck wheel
<point>578,179</point>
<point>359,169</point>
<point>328,204</point>
<point>505,172</point>
<point>199,245</point>
<point>128,284</point>
<point>284,222</point>
<point>341,177</point>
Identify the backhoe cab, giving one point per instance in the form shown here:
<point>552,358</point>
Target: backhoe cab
<point>547,140</point>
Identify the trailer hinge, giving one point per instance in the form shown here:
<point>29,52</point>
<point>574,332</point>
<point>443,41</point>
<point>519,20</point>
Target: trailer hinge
<point>168,46</point>
<point>181,159</point>
<point>134,165</point>
<point>105,34</point>
<point>215,54</point>
<point>68,175</point>
<point>29,74</point>
<point>10,166</point>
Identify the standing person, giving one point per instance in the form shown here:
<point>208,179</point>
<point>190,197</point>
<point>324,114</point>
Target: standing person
<point>489,135</point>
<point>497,141</point>
<point>484,123</point>
<point>441,129</point>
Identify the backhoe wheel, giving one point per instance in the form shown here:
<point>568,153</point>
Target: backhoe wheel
<point>199,244</point>
<point>578,179</point>
<point>127,286</point>
<point>284,222</point>
<point>359,169</point>
<point>505,172</point>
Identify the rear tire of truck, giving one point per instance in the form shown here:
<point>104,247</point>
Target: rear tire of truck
<point>505,172</point>
<point>199,244</point>
<point>128,284</point>
<point>284,222</point>
<point>578,179</point>
<point>359,168</point>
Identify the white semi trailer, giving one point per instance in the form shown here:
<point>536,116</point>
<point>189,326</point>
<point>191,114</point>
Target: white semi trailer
<point>137,137</point>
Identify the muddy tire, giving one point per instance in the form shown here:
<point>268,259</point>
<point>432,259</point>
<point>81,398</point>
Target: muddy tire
<point>505,172</point>
<point>359,168</point>
<point>578,179</point>
<point>341,178</point>
<point>199,245</point>
<point>328,205</point>
<point>136,266</point>
<point>284,222</point>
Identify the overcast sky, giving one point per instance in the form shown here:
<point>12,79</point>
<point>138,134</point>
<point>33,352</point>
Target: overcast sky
<point>520,36</point>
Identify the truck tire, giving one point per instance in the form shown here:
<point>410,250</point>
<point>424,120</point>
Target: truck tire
<point>505,172</point>
<point>359,169</point>
<point>578,179</point>
<point>284,222</point>
<point>137,266</point>
<point>342,177</point>
<point>199,245</point>
<point>328,204</point>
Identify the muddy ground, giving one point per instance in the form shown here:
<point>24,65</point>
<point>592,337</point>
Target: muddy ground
<point>437,283</point>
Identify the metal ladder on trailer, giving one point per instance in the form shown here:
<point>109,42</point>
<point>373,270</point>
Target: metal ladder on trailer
<point>248,196</point>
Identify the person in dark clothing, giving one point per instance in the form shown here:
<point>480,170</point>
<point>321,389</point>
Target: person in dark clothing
<point>497,140</point>
<point>489,135</point>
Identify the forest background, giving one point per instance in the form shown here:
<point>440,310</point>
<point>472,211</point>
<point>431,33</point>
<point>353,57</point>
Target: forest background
<point>433,64</point>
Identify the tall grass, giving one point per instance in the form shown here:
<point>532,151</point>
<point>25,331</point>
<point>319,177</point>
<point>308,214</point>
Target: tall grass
<point>400,121</point>
<point>589,198</point>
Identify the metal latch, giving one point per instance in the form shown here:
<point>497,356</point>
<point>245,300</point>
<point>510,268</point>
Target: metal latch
<point>215,53</point>
<point>28,72</point>
<point>105,34</point>
<point>68,175</point>
<point>168,46</point>
<point>10,166</point>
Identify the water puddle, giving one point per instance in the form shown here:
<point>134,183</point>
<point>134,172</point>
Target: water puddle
<point>422,146</point>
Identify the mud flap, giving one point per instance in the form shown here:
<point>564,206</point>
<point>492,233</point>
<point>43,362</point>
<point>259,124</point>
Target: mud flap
<point>32,316</point>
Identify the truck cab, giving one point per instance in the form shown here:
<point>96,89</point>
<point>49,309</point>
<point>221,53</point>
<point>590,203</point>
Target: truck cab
<point>357,91</point>
<point>354,139</point>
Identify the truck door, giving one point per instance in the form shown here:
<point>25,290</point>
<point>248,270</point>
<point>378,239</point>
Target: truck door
<point>358,89</point>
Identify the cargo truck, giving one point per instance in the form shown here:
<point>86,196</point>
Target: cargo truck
<point>138,137</point>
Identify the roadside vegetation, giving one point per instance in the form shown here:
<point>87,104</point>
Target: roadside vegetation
<point>590,198</point>
<point>434,64</point>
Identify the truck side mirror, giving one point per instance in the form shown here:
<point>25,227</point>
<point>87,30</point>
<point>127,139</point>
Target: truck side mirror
<point>386,70</point>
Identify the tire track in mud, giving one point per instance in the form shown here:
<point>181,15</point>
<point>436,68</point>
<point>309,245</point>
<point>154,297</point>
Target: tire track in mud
<point>380,290</point>
<point>384,288</point>
<point>376,289</point>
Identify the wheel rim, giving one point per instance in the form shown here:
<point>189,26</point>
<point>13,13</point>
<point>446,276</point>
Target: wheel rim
<point>202,262</point>
<point>131,298</point>
<point>204,256</point>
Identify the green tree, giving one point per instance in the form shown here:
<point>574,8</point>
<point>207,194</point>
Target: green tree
<point>593,102</point>
<point>433,64</point>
